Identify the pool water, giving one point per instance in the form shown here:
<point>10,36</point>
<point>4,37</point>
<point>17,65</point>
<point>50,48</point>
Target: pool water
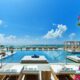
<point>56,56</point>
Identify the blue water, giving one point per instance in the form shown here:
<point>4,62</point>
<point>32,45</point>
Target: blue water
<point>56,56</point>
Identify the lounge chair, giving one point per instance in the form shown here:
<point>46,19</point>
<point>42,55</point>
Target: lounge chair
<point>64,69</point>
<point>12,73</point>
<point>74,58</point>
<point>61,72</point>
<point>31,72</point>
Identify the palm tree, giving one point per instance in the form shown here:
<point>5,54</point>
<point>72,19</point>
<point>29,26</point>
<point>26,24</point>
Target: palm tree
<point>2,46</point>
<point>11,48</point>
<point>78,20</point>
<point>2,53</point>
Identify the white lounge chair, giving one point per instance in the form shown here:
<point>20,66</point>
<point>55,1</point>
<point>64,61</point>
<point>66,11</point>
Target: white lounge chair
<point>12,73</point>
<point>74,58</point>
<point>61,72</point>
<point>31,71</point>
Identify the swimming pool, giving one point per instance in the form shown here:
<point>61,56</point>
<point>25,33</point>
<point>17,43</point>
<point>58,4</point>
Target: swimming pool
<point>55,56</point>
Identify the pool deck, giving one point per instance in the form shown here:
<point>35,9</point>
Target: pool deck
<point>36,68</point>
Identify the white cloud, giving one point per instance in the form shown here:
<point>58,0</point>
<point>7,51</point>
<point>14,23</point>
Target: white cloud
<point>56,33</point>
<point>1,38</point>
<point>14,40</point>
<point>1,22</point>
<point>11,37</point>
<point>26,40</point>
<point>72,36</point>
<point>6,39</point>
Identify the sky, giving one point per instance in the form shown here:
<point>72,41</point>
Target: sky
<point>39,21</point>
